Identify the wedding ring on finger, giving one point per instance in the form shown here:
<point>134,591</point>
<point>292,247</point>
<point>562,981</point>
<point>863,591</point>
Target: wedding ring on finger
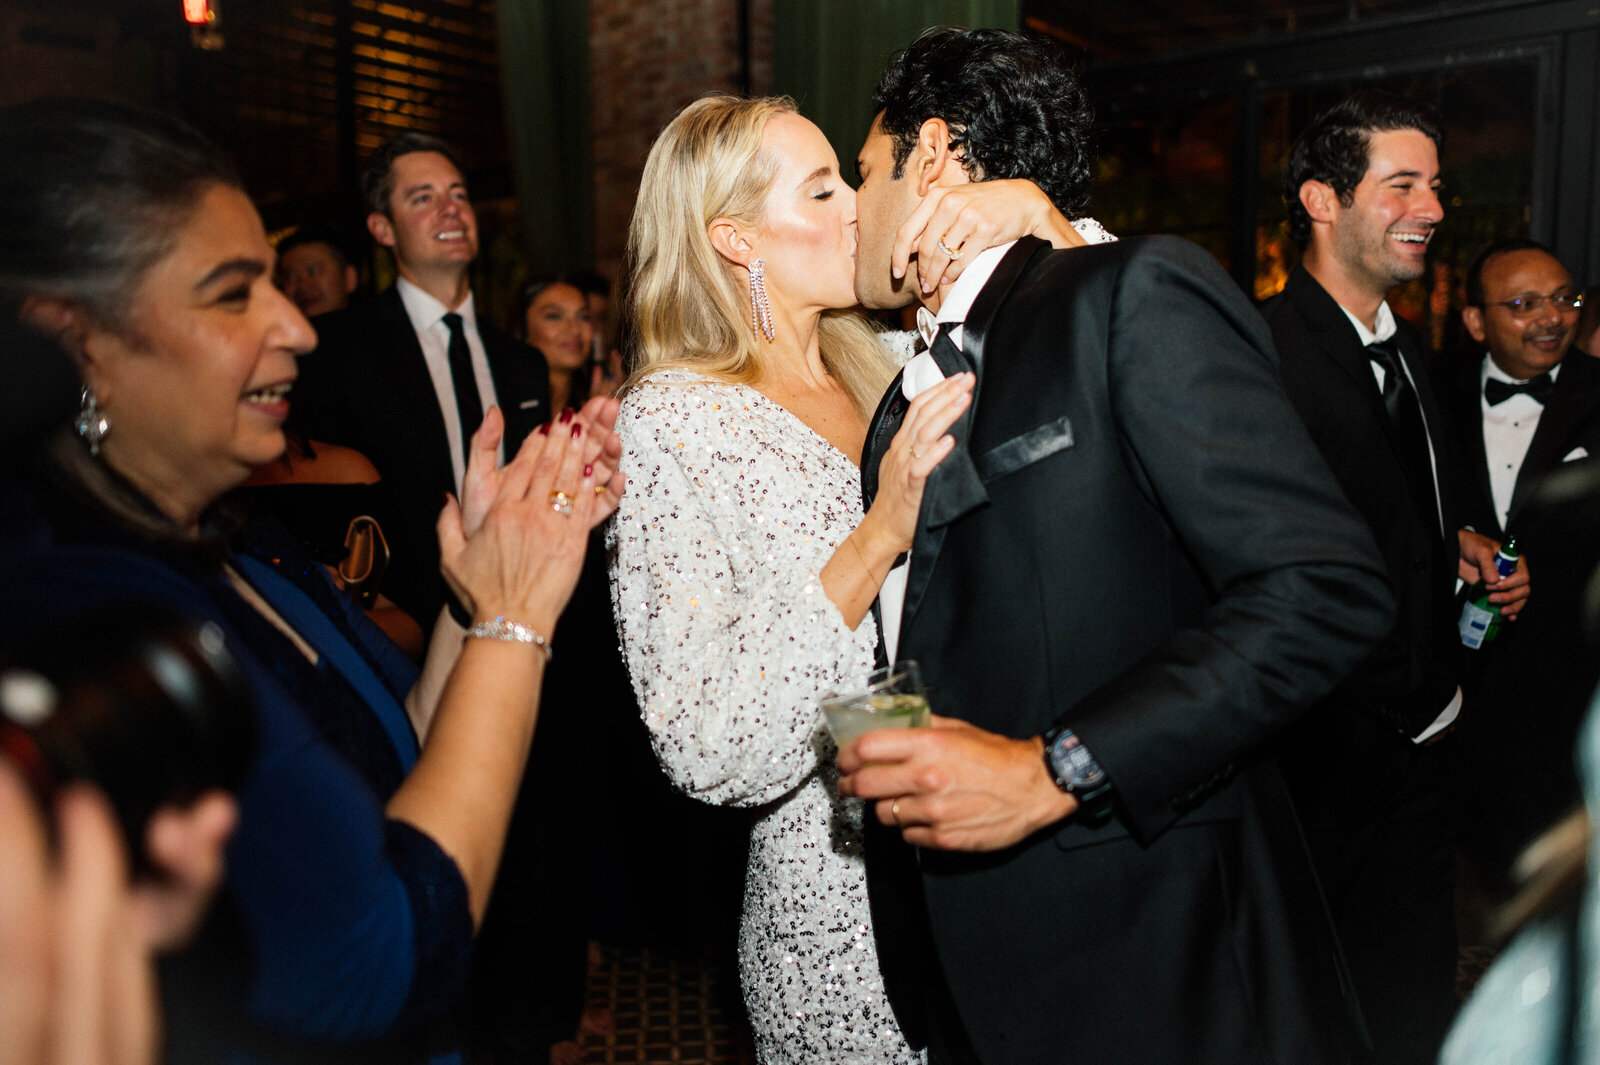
<point>894,812</point>
<point>561,503</point>
<point>915,454</point>
<point>954,253</point>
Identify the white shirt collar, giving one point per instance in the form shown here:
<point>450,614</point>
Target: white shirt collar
<point>426,312</point>
<point>1384,320</point>
<point>963,293</point>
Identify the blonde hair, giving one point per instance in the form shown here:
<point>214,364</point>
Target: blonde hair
<point>690,308</point>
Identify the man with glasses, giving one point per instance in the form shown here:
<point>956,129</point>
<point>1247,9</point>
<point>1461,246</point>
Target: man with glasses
<point>1365,764</point>
<point>1528,407</point>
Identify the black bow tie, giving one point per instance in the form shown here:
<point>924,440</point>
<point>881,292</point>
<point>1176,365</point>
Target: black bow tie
<point>1497,391</point>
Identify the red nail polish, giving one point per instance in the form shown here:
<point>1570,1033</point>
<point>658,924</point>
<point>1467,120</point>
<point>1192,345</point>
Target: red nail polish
<point>588,469</point>
<point>545,429</point>
<point>566,415</point>
<point>577,427</point>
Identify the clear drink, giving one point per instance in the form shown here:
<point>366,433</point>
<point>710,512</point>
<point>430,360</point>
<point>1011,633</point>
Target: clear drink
<point>889,698</point>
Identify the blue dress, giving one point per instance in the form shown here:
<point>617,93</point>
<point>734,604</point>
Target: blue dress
<point>339,930</point>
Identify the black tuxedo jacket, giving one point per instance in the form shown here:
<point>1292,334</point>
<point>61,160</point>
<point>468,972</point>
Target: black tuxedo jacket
<point>1135,537</point>
<point>1406,682</point>
<point>1571,420</point>
<point>366,386</point>
<point>1528,698</point>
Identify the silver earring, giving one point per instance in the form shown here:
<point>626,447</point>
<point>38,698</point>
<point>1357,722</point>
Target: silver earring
<point>760,309</point>
<point>92,423</point>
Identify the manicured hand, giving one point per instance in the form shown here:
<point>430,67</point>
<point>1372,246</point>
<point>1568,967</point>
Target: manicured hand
<point>523,560</point>
<point>921,444</point>
<point>970,218</point>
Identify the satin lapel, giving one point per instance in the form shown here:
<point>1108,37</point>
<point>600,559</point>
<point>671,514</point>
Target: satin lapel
<point>880,430</point>
<point>409,387</point>
<point>1469,408</point>
<point>1576,396</point>
<point>974,339</point>
<point>1423,386</point>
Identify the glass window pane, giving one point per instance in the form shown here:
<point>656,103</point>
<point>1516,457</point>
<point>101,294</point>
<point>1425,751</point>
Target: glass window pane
<point>1168,168</point>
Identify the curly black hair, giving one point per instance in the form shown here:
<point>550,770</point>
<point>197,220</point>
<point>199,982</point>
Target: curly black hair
<point>1334,148</point>
<point>1474,279</point>
<point>1013,105</point>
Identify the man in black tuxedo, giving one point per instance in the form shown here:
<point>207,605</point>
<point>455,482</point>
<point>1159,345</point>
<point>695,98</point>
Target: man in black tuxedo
<point>1528,406</point>
<point>405,378</point>
<point>1364,766</point>
<point>1132,571</point>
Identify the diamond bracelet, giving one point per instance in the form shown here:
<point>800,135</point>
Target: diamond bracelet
<point>511,632</point>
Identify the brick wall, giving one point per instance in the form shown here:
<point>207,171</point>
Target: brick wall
<point>646,61</point>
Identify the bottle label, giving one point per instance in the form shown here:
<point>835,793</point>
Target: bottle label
<point>1475,622</point>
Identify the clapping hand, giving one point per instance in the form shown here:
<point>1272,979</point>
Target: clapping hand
<point>601,448</point>
<point>533,516</point>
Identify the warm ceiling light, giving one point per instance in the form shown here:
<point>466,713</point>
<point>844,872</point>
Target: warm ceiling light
<point>197,12</point>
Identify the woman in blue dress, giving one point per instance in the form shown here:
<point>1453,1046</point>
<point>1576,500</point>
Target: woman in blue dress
<point>373,816</point>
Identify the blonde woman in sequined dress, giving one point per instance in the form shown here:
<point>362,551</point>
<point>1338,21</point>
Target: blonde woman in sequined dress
<point>744,569</point>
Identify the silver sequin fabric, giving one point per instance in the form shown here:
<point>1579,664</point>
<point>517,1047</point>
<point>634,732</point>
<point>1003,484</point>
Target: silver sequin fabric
<point>733,507</point>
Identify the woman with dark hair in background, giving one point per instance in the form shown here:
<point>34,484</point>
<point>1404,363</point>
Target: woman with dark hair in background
<point>553,316</point>
<point>363,857</point>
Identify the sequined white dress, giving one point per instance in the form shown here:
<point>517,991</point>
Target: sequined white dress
<point>732,508</point>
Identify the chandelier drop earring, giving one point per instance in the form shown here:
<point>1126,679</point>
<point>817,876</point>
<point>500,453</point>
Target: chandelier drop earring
<point>92,423</point>
<point>760,309</point>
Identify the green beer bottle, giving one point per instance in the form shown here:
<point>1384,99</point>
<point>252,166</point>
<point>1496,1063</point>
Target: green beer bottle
<point>1480,619</point>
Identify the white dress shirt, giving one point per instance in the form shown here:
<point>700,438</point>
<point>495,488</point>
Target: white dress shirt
<point>427,320</point>
<point>1508,429</point>
<point>1386,329</point>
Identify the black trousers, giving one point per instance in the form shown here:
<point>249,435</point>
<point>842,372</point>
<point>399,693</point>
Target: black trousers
<point>1381,837</point>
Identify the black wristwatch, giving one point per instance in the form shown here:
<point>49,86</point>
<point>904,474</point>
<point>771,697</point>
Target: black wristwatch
<point>1076,772</point>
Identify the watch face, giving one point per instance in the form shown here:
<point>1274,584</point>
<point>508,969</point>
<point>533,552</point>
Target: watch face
<point>1074,764</point>
<point>1082,770</point>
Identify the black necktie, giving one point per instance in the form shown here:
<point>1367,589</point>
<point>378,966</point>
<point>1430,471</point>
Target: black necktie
<point>949,358</point>
<point>1411,431</point>
<point>1539,388</point>
<point>468,404</point>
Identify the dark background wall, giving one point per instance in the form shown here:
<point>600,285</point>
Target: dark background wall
<point>555,103</point>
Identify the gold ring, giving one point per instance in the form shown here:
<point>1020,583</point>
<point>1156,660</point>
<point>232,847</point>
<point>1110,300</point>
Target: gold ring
<point>894,812</point>
<point>915,453</point>
<point>600,489</point>
<point>561,503</point>
<point>954,253</point>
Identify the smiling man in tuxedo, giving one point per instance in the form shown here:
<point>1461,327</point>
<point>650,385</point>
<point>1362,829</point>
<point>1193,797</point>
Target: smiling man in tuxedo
<point>405,378</point>
<point>1529,406</point>
<point>1129,575</point>
<point>1367,766</point>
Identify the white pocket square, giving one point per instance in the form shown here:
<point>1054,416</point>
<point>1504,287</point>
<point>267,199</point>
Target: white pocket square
<point>529,404</point>
<point>1576,453</point>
